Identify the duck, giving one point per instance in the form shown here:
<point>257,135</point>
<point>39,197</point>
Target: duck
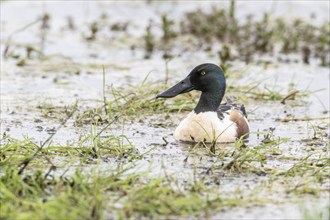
<point>210,121</point>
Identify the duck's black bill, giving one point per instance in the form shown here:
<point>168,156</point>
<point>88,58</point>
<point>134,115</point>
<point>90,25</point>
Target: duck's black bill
<point>180,88</point>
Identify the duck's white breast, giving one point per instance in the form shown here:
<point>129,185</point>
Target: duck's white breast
<point>206,126</point>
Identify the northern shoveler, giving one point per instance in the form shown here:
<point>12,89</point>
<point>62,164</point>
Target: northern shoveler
<point>209,121</point>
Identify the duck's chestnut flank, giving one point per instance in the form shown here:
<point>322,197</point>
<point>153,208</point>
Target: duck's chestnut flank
<point>209,121</point>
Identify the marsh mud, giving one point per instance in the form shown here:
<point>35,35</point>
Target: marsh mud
<point>287,102</point>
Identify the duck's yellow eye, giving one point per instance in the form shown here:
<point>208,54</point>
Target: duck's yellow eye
<point>203,73</point>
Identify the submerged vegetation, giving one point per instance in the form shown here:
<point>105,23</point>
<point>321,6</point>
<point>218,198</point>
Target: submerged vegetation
<point>58,179</point>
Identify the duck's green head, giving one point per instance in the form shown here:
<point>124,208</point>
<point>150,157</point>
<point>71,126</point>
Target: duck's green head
<point>207,78</point>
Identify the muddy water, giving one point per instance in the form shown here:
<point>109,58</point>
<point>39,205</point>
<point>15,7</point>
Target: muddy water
<point>73,72</point>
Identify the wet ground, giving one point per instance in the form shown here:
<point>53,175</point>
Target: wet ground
<point>35,95</point>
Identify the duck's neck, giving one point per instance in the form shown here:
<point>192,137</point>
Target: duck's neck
<point>209,102</point>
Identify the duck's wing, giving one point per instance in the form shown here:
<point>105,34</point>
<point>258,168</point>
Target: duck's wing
<point>235,113</point>
<point>225,108</point>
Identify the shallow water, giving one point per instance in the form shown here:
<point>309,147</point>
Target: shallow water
<point>74,72</point>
